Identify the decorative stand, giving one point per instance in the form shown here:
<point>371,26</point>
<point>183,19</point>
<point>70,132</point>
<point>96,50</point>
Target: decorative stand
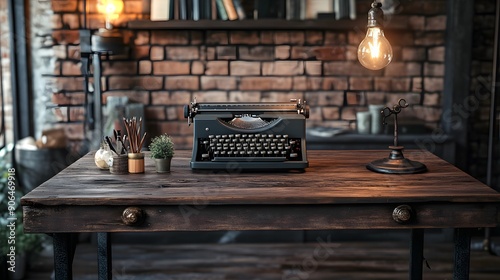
<point>396,163</point>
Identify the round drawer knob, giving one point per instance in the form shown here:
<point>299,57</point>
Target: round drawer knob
<point>133,216</point>
<point>402,214</point>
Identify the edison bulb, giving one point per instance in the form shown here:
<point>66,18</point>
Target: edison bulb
<point>111,9</point>
<point>375,51</point>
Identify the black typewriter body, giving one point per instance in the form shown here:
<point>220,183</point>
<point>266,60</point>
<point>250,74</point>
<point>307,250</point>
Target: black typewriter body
<point>248,136</point>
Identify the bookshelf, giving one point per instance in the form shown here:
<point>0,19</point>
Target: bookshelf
<point>261,24</point>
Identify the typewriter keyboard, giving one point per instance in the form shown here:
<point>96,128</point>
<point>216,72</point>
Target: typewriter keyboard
<point>241,147</point>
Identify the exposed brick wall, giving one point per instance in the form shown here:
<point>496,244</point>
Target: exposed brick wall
<point>166,69</point>
<point>5,72</point>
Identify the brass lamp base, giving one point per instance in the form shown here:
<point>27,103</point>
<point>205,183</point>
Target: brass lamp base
<point>396,163</point>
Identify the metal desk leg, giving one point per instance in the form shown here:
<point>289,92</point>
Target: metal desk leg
<point>416,254</point>
<point>64,251</point>
<point>104,257</point>
<point>462,254</point>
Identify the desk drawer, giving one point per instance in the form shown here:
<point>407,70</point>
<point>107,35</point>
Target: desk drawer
<point>257,217</point>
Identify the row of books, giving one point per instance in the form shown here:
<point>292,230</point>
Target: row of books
<point>256,9</point>
<point>197,9</point>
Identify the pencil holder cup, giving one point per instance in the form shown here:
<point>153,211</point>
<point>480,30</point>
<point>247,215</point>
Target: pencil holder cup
<point>136,162</point>
<point>119,164</point>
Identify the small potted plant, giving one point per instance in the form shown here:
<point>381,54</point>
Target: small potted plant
<point>162,151</point>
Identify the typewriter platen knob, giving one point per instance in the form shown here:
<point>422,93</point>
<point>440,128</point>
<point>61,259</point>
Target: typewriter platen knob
<point>186,111</point>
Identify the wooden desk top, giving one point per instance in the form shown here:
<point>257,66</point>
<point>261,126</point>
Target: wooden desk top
<point>335,192</point>
<point>334,177</point>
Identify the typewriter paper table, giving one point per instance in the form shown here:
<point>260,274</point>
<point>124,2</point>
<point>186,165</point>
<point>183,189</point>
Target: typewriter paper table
<point>335,192</point>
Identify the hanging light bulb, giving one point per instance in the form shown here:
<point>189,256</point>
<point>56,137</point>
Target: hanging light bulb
<point>111,9</point>
<point>375,51</point>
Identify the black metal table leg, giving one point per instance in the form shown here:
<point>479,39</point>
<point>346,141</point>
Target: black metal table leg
<point>104,257</point>
<point>416,253</point>
<point>64,251</point>
<point>462,254</point>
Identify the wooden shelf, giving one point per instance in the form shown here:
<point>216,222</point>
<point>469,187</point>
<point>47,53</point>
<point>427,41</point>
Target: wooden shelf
<point>261,24</point>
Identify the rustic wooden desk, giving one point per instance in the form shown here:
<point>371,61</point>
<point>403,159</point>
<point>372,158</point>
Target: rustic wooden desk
<point>335,192</point>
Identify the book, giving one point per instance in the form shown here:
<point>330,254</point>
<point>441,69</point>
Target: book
<point>183,9</point>
<point>239,9</point>
<point>205,9</point>
<point>294,9</point>
<point>221,11</point>
<point>345,9</point>
<point>270,9</point>
<point>160,10</point>
<point>315,7</point>
<point>230,10</point>
<point>194,9</point>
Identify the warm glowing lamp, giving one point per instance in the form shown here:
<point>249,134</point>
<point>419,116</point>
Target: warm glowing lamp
<point>111,9</point>
<point>375,52</point>
<point>107,39</point>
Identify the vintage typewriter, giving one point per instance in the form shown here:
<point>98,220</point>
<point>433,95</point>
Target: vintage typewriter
<point>262,136</point>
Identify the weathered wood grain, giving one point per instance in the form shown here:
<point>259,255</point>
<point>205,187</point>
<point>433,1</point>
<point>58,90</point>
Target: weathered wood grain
<point>336,192</point>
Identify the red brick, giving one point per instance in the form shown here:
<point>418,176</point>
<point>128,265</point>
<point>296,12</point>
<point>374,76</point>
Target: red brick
<point>434,69</point>
<point>217,38</point>
<point>64,6</point>
<point>401,84</point>
<point>400,69</point>
<point>145,67</point>
<point>429,114</point>
<point>289,37</point>
<point>348,68</point>
<point>183,53</point>
<point>66,37</point>
<point>436,54</point>
<point>217,68</point>
<point>157,53</point>
<point>433,84</point>
<point>226,52</point>
<point>436,23</point>
<point>244,37</point>
<point>411,98</point>
<point>314,37</point>
<point>416,22</point>
<point>327,83</point>
<point>351,53</point>
<point>330,53</point>
<point>155,113</point>
<point>301,52</point>
<point>141,38</point>
<point>244,96</point>
<point>60,51</point>
<point>137,96</point>
<point>141,82</point>
<point>56,21</point>
<point>375,98</point>
<point>170,97</point>
<point>313,68</point>
<point>432,99</point>
<point>429,39</point>
<point>245,68</point>
<point>355,37</point>
<point>140,52</point>
<point>413,54</point>
<point>283,68</point>
<point>69,83</point>
<point>256,53</point>
<point>170,37</point>
<point>299,83</point>
<point>60,98</point>
<point>325,98</point>
<point>71,21</point>
<point>119,68</point>
<point>266,83</point>
<point>173,113</point>
<point>210,96</point>
<point>282,52</point>
<point>266,37</point>
<point>417,84</point>
<point>360,83</point>
<point>355,98</point>
<point>315,116</point>
<point>218,83</point>
<point>196,38</point>
<point>330,113</point>
<point>171,68</point>
<point>333,38</point>
<point>182,83</point>
<point>70,68</point>
<point>349,113</point>
<point>197,68</point>
<point>383,84</point>
<point>210,53</point>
